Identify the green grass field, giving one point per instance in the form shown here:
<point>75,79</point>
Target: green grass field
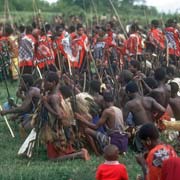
<point>39,167</point>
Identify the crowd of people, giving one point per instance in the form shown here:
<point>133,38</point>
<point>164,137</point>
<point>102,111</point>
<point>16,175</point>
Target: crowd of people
<point>96,89</point>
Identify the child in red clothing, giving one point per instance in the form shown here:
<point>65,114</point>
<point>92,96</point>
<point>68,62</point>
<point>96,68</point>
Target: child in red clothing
<point>111,169</point>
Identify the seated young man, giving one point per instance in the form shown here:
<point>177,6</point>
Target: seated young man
<point>158,152</point>
<point>112,121</point>
<point>138,111</point>
<point>56,122</point>
<point>29,101</point>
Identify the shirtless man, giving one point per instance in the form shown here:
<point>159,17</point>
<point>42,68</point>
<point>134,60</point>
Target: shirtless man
<point>112,120</point>
<point>95,92</point>
<point>124,78</point>
<point>162,93</point>
<point>58,147</point>
<point>138,111</point>
<point>29,99</point>
<point>175,100</point>
<point>142,108</point>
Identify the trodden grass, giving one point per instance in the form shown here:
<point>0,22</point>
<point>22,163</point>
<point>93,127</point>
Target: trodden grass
<point>39,167</point>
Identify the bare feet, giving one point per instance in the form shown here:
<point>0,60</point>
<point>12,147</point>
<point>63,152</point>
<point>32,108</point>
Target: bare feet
<point>85,154</point>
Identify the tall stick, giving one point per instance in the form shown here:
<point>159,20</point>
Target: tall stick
<point>116,13</point>
<point>7,123</point>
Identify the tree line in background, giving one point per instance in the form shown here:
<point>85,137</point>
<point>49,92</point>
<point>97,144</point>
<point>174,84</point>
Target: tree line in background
<point>101,6</point>
<point>127,9</point>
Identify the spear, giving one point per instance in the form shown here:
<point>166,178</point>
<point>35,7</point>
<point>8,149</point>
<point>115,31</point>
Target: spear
<point>7,123</point>
<point>119,20</point>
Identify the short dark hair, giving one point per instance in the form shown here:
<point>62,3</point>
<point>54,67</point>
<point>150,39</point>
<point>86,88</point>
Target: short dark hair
<point>126,75</point>
<point>22,28</point>
<point>66,91</point>
<point>108,96</point>
<point>95,85</point>
<point>79,26</point>
<point>52,76</point>
<point>135,64</point>
<point>174,87</point>
<point>60,26</point>
<point>134,27</point>
<point>111,24</point>
<point>171,70</point>
<point>28,79</point>
<point>8,29</point>
<point>132,87</point>
<point>72,29</point>
<point>148,130</point>
<point>29,29</point>
<point>151,82</point>
<point>160,74</point>
<point>155,22</point>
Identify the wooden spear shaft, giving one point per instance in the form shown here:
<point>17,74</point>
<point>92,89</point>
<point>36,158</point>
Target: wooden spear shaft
<point>116,13</point>
<point>7,123</point>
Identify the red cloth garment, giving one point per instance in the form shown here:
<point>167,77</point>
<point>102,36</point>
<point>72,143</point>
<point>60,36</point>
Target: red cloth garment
<point>44,55</point>
<point>173,40</point>
<point>160,124</point>
<point>54,152</point>
<point>111,171</point>
<point>134,45</point>
<point>171,169</point>
<point>79,47</point>
<point>157,38</point>
<point>58,44</point>
<point>110,39</point>
<point>155,160</point>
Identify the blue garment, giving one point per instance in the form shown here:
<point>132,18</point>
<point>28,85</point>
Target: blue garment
<point>6,106</point>
<point>95,120</point>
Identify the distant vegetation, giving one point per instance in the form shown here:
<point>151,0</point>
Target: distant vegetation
<point>22,11</point>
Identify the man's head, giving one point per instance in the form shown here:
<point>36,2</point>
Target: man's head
<point>95,86</point>
<point>134,28</point>
<point>160,74</point>
<point>28,29</point>
<point>111,153</point>
<point>131,89</point>
<point>149,135</point>
<point>66,91</point>
<point>151,82</point>
<point>80,29</point>
<point>125,77</point>
<point>171,23</point>
<point>174,89</point>
<point>8,30</point>
<point>101,31</point>
<point>22,28</point>
<point>155,23</point>
<point>134,66</point>
<point>26,82</point>
<point>108,99</point>
<point>59,29</point>
<point>51,80</point>
<point>109,26</point>
<point>171,71</point>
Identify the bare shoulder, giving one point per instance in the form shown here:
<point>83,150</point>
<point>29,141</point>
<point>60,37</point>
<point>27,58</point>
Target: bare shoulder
<point>34,90</point>
<point>108,111</point>
<point>148,98</point>
<point>53,98</point>
<point>131,103</point>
